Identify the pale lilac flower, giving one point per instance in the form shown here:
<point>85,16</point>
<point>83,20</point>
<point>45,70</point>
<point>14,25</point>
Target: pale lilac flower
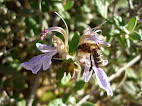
<point>87,60</point>
<point>44,59</point>
<point>92,36</point>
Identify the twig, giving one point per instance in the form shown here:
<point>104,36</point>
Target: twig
<point>115,7</point>
<point>122,81</point>
<point>132,62</point>
<point>32,95</point>
<point>134,12</point>
<point>131,7</point>
<point>138,7</point>
<point>86,97</point>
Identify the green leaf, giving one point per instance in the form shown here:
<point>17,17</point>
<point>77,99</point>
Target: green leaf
<point>129,87</point>
<point>135,36</point>
<point>122,4</point>
<point>47,96</point>
<point>86,9</point>
<point>32,25</point>
<point>105,51</point>
<point>74,43</point>
<point>87,103</point>
<point>119,21</point>
<point>60,74</point>
<point>132,24</point>
<point>102,7</point>
<point>68,5</point>
<point>68,98</point>
<point>66,16</point>
<point>114,32</point>
<point>79,85</point>
<point>128,44</point>
<point>66,79</point>
<point>122,41</point>
<point>45,4</point>
<point>57,5</point>
<point>110,1</point>
<point>21,103</point>
<point>124,29</point>
<point>131,73</point>
<point>56,102</point>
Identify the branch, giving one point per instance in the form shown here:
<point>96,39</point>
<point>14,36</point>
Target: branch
<point>134,12</point>
<point>32,95</point>
<point>138,8</point>
<point>132,62</point>
<point>86,97</point>
<point>112,77</point>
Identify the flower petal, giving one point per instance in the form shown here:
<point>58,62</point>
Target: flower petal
<point>58,43</point>
<point>57,29</point>
<point>47,60</point>
<point>101,41</point>
<point>103,80</point>
<point>88,31</point>
<point>87,74</point>
<point>88,68</point>
<point>88,38</point>
<point>83,58</point>
<point>34,64</point>
<point>105,62</point>
<point>44,48</point>
<point>89,35</point>
<point>104,43</point>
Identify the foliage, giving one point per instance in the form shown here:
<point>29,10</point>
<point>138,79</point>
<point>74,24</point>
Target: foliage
<point>20,30</point>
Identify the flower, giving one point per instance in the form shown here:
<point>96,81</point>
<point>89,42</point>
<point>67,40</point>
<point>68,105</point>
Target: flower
<point>44,59</point>
<point>86,59</point>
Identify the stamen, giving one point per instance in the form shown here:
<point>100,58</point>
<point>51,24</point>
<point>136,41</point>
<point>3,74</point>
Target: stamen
<point>98,45</point>
<point>93,29</point>
<point>66,38</point>
<point>99,25</point>
<point>63,21</point>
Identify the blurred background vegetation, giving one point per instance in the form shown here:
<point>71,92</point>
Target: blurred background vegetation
<point>20,30</point>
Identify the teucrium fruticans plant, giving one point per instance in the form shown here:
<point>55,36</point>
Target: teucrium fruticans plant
<point>61,48</point>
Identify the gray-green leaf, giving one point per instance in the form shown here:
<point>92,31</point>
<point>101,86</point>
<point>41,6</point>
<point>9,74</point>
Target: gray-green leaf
<point>74,43</point>
<point>135,36</point>
<point>56,102</point>
<point>79,85</point>
<point>102,7</point>
<point>132,24</point>
<point>66,79</point>
<point>68,5</point>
